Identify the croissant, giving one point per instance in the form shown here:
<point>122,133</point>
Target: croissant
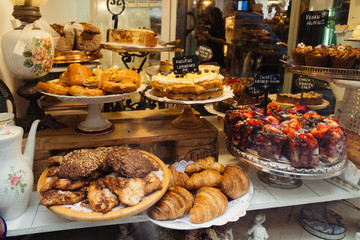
<point>209,203</point>
<point>176,203</point>
<point>177,178</point>
<point>202,164</point>
<point>206,178</point>
<point>235,182</point>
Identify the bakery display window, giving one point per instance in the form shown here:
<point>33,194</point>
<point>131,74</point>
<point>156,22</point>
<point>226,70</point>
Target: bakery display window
<point>243,106</point>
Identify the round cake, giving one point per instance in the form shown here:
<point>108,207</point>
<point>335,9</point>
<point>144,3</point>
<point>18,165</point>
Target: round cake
<point>303,137</point>
<point>201,85</point>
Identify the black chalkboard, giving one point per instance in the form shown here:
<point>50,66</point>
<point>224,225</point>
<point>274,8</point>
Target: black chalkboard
<point>305,83</point>
<point>316,18</point>
<point>252,90</point>
<point>186,64</point>
<point>267,82</point>
<point>204,53</point>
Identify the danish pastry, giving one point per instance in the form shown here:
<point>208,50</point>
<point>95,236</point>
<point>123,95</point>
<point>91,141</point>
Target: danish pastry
<point>52,88</point>
<point>121,81</point>
<point>85,91</point>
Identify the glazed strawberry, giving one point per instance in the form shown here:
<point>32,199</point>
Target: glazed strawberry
<point>323,128</point>
<point>271,119</point>
<point>254,122</point>
<point>309,138</point>
<point>316,133</point>
<point>294,123</point>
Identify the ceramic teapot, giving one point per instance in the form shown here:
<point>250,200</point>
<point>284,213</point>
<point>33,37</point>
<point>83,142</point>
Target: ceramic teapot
<point>16,175</point>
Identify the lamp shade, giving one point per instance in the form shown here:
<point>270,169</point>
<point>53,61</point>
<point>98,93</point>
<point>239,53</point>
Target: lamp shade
<point>33,3</point>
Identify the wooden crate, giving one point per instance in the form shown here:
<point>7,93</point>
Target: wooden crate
<point>149,130</point>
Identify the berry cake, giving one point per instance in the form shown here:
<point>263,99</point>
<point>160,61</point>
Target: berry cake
<point>304,137</point>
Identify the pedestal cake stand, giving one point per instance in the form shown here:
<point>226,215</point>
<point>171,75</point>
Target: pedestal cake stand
<point>94,124</point>
<point>187,119</point>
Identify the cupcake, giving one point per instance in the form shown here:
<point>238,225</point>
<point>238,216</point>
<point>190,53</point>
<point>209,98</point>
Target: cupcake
<point>344,57</point>
<point>319,57</point>
<point>298,54</point>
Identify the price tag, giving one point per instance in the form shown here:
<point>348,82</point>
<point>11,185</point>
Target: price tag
<point>204,53</point>
<point>305,83</point>
<point>185,64</point>
<point>317,18</point>
<point>267,82</point>
<point>251,90</point>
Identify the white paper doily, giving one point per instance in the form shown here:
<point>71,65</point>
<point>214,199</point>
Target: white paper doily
<point>236,209</point>
<point>228,93</point>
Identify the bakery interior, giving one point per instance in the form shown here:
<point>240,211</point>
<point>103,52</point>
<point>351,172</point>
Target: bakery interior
<point>244,112</point>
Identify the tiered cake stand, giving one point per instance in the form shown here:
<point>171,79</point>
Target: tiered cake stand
<point>187,119</point>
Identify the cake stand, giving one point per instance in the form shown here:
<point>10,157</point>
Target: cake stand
<point>281,174</point>
<point>187,119</point>
<point>94,124</point>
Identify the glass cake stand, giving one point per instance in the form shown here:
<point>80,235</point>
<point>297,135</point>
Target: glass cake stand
<point>94,124</point>
<point>281,174</point>
<point>187,119</point>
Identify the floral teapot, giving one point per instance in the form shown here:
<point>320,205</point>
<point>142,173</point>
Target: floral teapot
<point>16,176</point>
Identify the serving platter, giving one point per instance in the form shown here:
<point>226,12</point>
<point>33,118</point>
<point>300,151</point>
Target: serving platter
<point>236,209</point>
<point>78,213</point>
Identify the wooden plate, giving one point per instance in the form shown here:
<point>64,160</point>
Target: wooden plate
<point>147,202</point>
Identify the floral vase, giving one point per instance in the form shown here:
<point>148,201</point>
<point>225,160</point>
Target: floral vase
<point>28,52</point>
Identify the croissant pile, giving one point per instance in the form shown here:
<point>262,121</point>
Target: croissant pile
<point>202,191</point>
<point>79,80</point>
<point>100,179</point>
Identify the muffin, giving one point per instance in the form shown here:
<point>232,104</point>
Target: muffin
<point>344,57</point>
<point>298,54</point>
<point>319,57</point>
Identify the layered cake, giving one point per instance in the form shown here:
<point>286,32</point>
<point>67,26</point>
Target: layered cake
<point>303,137</point>
<point>201,85</point>
<point>309,98</point>
<point>142,37</point>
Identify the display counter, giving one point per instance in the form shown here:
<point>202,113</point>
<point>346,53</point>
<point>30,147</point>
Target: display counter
<point>38,219</point>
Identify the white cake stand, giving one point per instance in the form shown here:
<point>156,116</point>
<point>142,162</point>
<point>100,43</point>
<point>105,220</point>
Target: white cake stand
<point>94,123</point>
<point>187,119</point>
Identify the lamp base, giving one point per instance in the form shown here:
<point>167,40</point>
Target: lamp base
<point>33,112</point>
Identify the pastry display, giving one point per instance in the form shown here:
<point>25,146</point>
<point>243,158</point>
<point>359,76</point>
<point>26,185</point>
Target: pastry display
<point>79,80</point>
<point>140,36</point>
<point>308,98</point>
<point>303,137</point>
<point>101,179</point>
<point>333,56</point>
<point>201,85</point>
<point>202,193</point>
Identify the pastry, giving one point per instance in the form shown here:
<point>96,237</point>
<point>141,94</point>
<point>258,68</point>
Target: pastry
<point>235,182</point>
<point>298,54</point>
<point>60,197</point>
<point>344,57</point>
<point>85,91</point>
<point>88,37</point>
<point>166,66</point>
<point>53,88</point>
<point>78,74</point>
<point>209,203</point>
<point>294,133</point>
<point>176,203</point>
<point>120,81</point>
<point>202,164</point>
<point>191,86</point>
<point>319,57</point>
<point>100,198</point>
<point>177,178</point>
<point>119,36</point>
<point>207,177</point>
<point>308,98</point>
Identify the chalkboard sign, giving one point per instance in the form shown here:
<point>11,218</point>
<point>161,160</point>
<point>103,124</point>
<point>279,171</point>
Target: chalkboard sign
<point>267,82</point>
<point>251,90</point>
<point>204,53</point>
<point>316,18</point>
<point>185,64</point>
<point>305,83</point>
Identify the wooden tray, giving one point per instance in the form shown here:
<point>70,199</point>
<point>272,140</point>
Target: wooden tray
<point>147,202</point>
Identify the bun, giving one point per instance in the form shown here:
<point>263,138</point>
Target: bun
<point>208,178</point>
<point>235,182</point>
<point>205,163</point>
<point>209,203</point>
<point>176,203</point>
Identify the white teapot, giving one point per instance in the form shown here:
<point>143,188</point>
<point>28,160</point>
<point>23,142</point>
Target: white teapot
<point>16,175</point>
